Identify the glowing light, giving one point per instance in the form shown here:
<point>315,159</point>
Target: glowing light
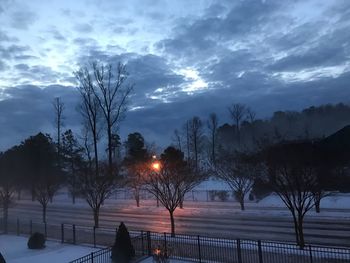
<point>156,166</point>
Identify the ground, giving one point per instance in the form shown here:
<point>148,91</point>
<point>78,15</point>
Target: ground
<point>14,250</point>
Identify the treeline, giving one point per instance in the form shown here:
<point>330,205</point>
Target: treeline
<point>202,138</point>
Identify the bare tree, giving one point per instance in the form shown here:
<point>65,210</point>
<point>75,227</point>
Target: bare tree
<point>112,94</point>
<point>137,162</point>
<point>9,175</point>
<point>239,172</point>
<point>44,190</point>
<point>137,176</point>
<point>251,115</point>
<point>212,124</point>
<point>90,111</point>
<point>177,139</point>
<point>293,176</point>
<point>196,137</point>
<point>95,190</point>
<point>186,129</point>
<point>174,179</point>
<point>58,106</point>
<point>237,113</point>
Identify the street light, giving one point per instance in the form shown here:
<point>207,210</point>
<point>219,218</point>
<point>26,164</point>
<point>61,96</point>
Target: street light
<point>156,168</point>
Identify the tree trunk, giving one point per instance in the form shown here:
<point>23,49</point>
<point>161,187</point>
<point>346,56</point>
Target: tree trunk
<point>44,213</point>
<point>317,205</point>
<point>317,201</point>
<point>301,232</point>
<point>172,223</point>
<point>96,157</point>
<point>5,213</point>
<point>295,222</point>
<point>96,217</point>
<point>137,197</point>
<point>110,155</point>
<point>241,202</point>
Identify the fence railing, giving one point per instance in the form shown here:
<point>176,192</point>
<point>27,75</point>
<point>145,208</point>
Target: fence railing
<point>100,256</point>
<point>195,248</point>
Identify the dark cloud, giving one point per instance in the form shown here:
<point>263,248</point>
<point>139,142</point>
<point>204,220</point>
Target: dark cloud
<point>329,50</point>
<point>83,28</point>
<point>22,67</point>
<point>3,65</point>
<point>57,35</point>
<point>209,32</point>
<point>12,51</point>
<point>23,19</point>
<point>4,37</point>
<point>26,110</point>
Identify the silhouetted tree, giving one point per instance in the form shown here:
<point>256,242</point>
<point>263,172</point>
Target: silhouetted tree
<point>111,92</point>
<point>212,124</point>
<point>9,179</point>
<point>196,138</point>
<point>292,174</point>
<point>72,160</point>
<point>175,178</point>
<point>91,113</point>
<point>58,106</point>
<point>41,166</point>
<point>122,250</point>
<point>137,163</point>
<point>239,172</point>
<point>237,113</point>
<point>95,189</point>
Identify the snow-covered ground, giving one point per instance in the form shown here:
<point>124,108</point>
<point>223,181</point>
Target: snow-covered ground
<point>15,250</point>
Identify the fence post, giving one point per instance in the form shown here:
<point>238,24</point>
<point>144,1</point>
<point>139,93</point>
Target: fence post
<point>31,227</point>
<point>17,226</point>
<point>74,240</point>
<point>199,249</point>
<point>94,233</point>
<point>92,257</point>
<point>310,251</point>
<point>260,252</point>
<point>143,248</point>
<point>62,233</point>
<point>149,247</point>
<point>239,255</point>
<point>165,246</point>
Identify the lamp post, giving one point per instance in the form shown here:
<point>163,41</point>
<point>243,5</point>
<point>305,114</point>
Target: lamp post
<point>156,168</point>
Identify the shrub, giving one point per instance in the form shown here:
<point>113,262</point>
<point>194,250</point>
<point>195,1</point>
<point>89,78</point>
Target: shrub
<point>36,241</point>
<point>212,194</point>
<point>222,195</point>
<point>122,250</point>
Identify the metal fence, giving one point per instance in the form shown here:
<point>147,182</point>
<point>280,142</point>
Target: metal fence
<point>190,247</point>
<point>100,256</point>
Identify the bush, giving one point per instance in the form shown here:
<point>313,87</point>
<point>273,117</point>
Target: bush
<point>122,250</point>
<point>222,195</point>
<point>36,241</point>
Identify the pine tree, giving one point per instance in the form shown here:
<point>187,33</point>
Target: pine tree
<point>122,250</point>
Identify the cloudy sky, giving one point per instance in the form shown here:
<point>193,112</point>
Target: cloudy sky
<point>185,57</point>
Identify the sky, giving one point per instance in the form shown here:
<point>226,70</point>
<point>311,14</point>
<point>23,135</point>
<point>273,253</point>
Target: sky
<point>186,58</point>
